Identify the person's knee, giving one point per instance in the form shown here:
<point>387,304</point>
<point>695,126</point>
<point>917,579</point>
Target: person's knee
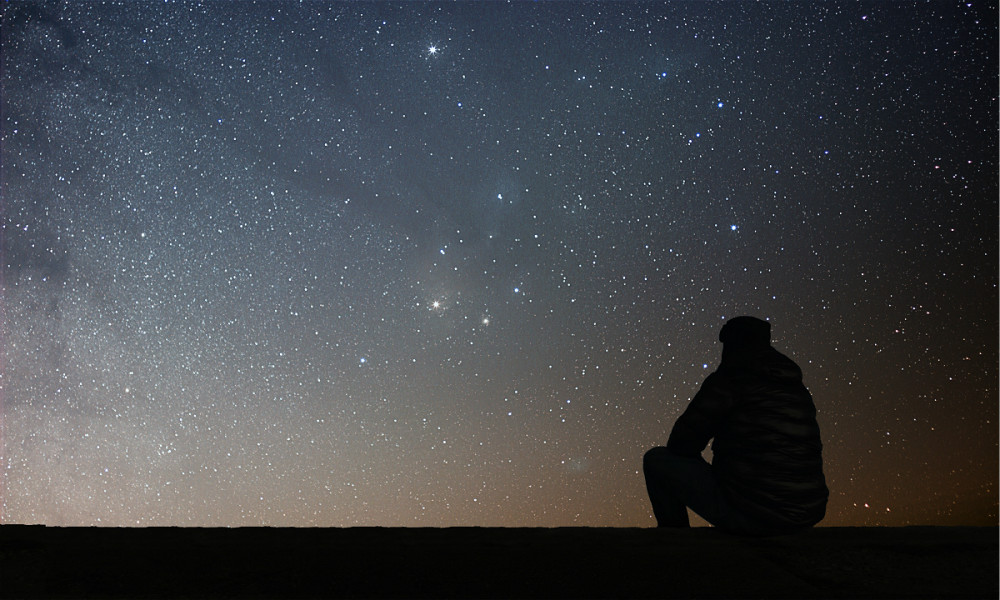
<point>655,456</point>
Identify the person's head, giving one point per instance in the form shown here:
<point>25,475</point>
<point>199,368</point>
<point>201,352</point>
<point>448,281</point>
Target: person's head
<point>745,332</point>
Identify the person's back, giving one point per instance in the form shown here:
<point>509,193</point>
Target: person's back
<point>767,454</point>
<point>767,469</point>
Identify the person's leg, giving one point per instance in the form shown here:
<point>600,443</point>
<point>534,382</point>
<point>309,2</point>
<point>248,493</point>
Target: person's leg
<point>667,477</point>
<point>677,482</point>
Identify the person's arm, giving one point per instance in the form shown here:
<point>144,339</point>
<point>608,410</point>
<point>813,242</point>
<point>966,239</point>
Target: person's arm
<point>701,420</point>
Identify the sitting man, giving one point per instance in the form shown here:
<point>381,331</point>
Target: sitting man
<point>766,475</point>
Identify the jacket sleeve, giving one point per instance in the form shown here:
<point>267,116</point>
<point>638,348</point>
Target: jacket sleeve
<point>703,417</point>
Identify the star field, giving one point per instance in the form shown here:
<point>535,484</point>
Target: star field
<point>428,264</point>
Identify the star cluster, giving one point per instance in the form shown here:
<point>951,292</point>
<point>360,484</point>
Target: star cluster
<point>333,264</point>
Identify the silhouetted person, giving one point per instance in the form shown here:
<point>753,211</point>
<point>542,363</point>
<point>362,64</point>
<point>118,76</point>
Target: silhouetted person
<point>766,475</point>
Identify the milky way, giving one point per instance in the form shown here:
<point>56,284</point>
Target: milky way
<point>334,264</point>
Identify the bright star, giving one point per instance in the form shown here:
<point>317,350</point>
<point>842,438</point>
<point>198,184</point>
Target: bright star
<point>432,50</point>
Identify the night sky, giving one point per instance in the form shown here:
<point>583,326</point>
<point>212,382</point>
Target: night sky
<point>338,264</point>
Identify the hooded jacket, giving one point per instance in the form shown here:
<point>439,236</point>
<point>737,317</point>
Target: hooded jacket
<point>767,453</point>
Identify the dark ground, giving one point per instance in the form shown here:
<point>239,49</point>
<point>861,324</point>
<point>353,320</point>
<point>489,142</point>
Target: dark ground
<point>913,562</point>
